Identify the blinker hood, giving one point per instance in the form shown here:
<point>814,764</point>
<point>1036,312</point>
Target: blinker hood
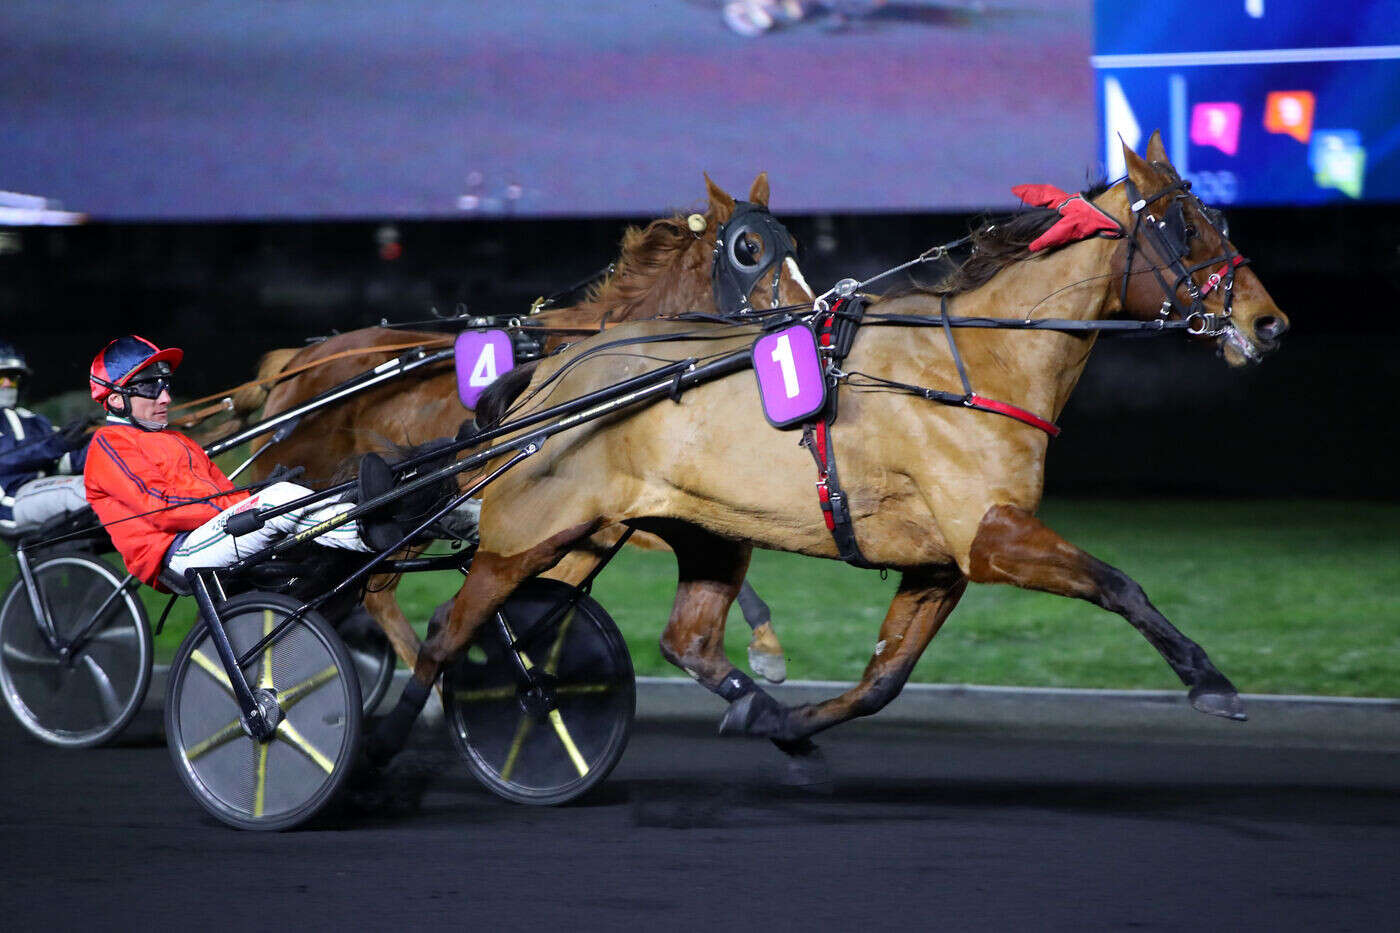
<point>747,246</point>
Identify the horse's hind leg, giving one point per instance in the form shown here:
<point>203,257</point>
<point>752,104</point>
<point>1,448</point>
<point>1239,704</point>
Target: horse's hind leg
<point>491,580</point>
<point>710,574</point>
<point>765,651</point>
<point>383,605</point>
<point>1012,546</point>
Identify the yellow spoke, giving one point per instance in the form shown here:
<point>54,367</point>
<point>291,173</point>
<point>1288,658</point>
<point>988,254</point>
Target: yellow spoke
<point>289,734</point>
<point>295,694</point>
<point>213,669</point>
<point>260,790</point>
<point>568,742</point>
<point>231,731</point>
<point>576,689</point>
<point>481,696</point>
<point>266,679</point>
<point>557,649</point>
<point>488,694</point>
<point>521,731</point>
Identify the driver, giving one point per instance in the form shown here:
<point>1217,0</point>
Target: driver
<point>164,501</point>
<point>30,450</point>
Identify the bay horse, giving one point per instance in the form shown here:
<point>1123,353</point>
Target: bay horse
<point>945,495</point>
<point>664,269</point>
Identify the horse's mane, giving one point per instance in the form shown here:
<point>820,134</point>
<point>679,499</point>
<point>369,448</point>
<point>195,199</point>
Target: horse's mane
<point>998,242</point>
<point>646,253</point>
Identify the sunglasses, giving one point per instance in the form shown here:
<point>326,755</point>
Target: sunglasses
<point>150,388</point>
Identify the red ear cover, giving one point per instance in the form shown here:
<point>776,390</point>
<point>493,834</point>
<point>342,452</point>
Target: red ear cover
<point>1079,219</point>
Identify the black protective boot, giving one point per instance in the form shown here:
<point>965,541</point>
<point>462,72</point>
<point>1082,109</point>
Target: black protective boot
<point>378,528</point>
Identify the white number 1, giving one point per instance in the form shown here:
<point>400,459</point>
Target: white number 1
<point>782,355</point>
<point>484,372</point>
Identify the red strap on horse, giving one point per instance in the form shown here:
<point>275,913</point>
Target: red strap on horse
<point>1216,277</point>
<point>1011,411</point>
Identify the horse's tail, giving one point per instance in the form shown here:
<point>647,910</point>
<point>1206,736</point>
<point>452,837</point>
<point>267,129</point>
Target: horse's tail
<point>251,397</point>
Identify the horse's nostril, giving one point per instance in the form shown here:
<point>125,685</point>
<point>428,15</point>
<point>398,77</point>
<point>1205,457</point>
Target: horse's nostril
<point>1269,327</point>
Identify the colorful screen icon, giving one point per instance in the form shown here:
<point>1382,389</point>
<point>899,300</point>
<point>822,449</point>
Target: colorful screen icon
<point>1291,113</point>
<point>1338,160</point>
<point>1216,124</point>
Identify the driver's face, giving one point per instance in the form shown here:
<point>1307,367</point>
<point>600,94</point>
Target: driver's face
<point>152,410</point>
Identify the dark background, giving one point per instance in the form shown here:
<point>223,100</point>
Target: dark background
<point>1158,415</point>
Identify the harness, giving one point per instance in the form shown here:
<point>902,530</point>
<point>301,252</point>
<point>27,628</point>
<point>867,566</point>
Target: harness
<point>1172,235</point>
<point>837,325</point>
<point>836,333</point>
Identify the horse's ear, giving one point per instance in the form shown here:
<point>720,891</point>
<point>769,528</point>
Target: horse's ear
<point>721,204</point>
<point>758,194</point>
<point>1142,173</point>
<point>1156,151</point>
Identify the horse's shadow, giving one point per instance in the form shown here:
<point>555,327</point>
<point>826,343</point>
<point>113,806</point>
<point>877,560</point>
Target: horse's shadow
<point>761,801</point>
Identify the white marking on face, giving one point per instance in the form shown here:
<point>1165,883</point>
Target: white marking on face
<point>796,273</point>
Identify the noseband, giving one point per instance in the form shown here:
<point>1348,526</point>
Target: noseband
<point>747,246</point>
<point>1172,235</point>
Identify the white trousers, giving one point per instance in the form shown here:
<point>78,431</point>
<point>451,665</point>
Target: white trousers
<point>39,500</point>
<point>210,546</point>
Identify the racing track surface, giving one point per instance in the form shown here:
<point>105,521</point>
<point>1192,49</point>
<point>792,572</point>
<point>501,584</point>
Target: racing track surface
<point>924,831</point>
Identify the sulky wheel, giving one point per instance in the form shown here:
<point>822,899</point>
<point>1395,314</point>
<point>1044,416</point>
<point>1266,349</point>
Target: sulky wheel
<point>372,655</point>
<point>82,686</point>
<point>548,741</point>
<point>306,675</point>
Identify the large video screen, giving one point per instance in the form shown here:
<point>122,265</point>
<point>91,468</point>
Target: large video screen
<point>1260,101</point>
<point>215,109</point>
<point>231,109</point>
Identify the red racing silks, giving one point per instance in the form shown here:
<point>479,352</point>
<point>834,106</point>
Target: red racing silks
<point>1079,219</point>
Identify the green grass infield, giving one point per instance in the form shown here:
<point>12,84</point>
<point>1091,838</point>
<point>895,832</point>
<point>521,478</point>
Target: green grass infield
<point>1285,596</point>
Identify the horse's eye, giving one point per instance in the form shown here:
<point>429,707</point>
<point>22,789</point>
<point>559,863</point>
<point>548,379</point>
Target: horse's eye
<point>1190,231</point>
<point>747,248</point>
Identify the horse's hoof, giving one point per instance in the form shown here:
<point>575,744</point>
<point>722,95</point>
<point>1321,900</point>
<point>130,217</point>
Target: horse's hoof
<point>766,655</point>
<point>1226,705</point>
<point>755,714</point>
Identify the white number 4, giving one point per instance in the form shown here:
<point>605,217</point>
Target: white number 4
<point>484,371</point>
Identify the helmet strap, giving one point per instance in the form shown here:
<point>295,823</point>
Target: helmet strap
<point>150,427</point>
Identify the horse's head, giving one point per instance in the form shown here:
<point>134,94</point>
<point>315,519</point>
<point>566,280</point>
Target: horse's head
<point>1179,263</point>
<point>754,258</point>
<point>668,266</point>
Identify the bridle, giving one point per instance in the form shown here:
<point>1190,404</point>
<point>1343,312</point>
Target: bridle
<point>1172,236</point>
<point>750,243</point>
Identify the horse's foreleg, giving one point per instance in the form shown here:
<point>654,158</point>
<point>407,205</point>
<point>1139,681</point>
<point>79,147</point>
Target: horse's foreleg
<point>489,583</point>
<point>920,606</point>
<point>1012,546</point>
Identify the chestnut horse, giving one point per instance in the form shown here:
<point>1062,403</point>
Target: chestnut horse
<point>943,494</point>
<point>664,269</point>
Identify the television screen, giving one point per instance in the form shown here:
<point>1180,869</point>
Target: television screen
<point>1260,101</point>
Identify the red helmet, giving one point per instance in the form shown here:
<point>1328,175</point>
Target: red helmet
<point>122,359</point>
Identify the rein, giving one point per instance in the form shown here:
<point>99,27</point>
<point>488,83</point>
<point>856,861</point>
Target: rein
<point>225,396</point>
